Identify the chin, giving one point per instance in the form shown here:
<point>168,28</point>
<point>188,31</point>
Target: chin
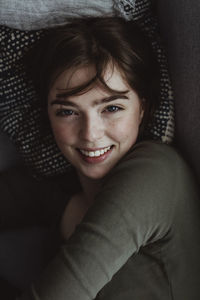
<point>95,174</point>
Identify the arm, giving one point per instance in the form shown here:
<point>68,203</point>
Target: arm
<point>134,208</point>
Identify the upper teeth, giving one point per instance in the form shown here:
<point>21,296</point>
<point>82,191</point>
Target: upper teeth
<point>95,153</point>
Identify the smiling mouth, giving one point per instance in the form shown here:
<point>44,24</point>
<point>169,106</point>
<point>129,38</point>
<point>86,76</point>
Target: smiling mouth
<point>96,153</point>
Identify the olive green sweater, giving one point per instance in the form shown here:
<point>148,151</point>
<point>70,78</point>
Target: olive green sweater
<point>139,241</point>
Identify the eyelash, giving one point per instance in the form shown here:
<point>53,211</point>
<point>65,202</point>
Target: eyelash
<point>65,112</point>
<point>117,108</point>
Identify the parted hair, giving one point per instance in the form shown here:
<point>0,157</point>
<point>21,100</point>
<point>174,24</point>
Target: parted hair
<point>97,41</point>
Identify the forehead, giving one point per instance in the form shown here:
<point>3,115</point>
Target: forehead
<point>76,77</point>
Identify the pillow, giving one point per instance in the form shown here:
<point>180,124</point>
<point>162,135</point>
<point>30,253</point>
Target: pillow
<point>20,111</point>
<point>38,14</point>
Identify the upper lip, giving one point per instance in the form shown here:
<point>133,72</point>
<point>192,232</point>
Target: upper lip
<point>94,149</point>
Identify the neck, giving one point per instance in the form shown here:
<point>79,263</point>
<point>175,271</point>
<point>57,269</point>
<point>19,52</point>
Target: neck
<point>90,187</point>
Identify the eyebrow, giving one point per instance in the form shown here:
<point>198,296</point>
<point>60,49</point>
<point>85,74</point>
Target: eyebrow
<point>96,102</point>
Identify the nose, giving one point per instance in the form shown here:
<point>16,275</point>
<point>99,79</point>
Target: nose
<point>92,128</point>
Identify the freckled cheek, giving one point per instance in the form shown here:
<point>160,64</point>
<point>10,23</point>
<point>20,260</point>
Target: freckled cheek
<point>125,130</point>
<point>63,134</point>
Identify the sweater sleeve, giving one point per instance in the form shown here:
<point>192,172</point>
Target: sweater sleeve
<point>135,207</point>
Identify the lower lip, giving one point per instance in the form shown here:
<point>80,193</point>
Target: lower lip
<point>95,160</point>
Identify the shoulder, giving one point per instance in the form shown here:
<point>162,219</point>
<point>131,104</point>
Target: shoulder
<point>150,157</point>
<point>152,169</point>
<point>154,150</point>
<point>150,185</point>
<point>144,187</point>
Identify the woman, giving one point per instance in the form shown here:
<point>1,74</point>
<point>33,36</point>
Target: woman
<point>133,214</point>
<point>87,65</point>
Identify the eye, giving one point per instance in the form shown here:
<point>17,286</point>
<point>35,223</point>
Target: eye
<point>112,108</point>
<point>64,112</point>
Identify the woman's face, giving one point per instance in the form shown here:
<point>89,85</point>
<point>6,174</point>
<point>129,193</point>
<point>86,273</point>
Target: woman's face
<point>96,129</point>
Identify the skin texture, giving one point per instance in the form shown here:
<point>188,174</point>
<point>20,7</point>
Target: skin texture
<point>90,124</point>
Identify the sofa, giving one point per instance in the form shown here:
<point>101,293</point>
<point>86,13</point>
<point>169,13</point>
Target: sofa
<point>180,31</point>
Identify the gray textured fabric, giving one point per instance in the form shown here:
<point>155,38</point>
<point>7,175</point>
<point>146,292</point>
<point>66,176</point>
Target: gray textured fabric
<point>37,14</point>
<point>180,27</point>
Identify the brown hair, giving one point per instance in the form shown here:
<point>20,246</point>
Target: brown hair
<point>97,41</point>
